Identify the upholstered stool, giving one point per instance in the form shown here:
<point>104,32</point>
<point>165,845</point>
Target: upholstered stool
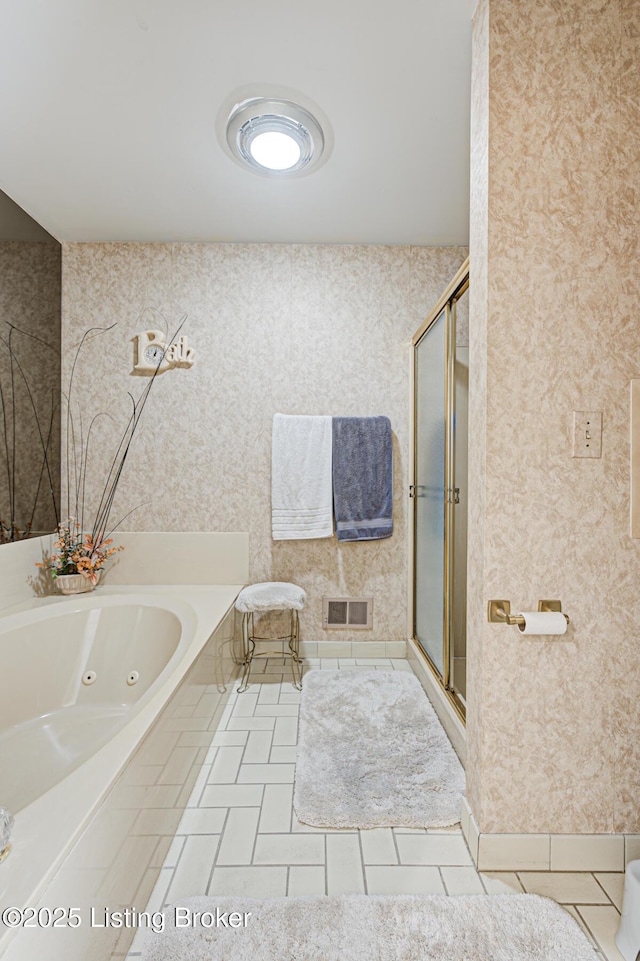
<point>261,598</point>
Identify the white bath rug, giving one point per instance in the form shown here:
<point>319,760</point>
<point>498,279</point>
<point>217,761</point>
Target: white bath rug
<point>372,753</point>
<point>500,927</point>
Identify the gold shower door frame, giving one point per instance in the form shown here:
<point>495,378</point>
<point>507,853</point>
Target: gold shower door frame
<point>447,302</point>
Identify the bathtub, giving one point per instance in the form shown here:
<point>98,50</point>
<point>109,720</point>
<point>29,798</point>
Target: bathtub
<point>83,680</point>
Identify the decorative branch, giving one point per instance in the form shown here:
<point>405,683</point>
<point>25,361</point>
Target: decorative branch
<point>101,528</point>
<point>78,449</point>
<point>11,531</point>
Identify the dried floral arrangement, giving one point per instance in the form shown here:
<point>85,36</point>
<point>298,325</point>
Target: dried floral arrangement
<point>76,553</point>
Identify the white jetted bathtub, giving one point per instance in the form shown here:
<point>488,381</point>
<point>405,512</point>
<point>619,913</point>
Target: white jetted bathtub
<point>82,681</point>
<point>72,676</point>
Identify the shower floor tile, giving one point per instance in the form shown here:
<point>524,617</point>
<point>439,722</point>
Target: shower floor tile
<point>240,835</point>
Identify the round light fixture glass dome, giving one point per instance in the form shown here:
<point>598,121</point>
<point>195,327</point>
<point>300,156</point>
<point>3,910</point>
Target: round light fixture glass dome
<point>274,137</point>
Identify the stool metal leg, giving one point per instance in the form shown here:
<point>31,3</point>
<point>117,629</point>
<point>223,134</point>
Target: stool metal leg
<point>294,647</point>
<point>248,647</point>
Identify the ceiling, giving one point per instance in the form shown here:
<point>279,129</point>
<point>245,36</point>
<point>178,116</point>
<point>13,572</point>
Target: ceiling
<point>112,111</point>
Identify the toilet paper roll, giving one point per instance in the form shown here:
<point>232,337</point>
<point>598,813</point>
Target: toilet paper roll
<point>543,622</point>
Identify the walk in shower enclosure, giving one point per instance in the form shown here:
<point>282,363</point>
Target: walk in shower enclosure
<point>439,489</point>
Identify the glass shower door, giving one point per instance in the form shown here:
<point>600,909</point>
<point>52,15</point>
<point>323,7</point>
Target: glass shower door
<point>429,490</point>
<point>460,443</point>
<point>439,492</point>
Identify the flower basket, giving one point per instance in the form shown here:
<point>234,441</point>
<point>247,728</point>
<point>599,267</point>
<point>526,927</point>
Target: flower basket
<point>77,558</point>
<point>75,583</point>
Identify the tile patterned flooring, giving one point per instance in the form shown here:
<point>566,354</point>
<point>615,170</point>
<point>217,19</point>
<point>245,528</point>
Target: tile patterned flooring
<point>240,836</point>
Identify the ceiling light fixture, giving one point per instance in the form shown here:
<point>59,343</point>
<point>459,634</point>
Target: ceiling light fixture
<point>274,137</point>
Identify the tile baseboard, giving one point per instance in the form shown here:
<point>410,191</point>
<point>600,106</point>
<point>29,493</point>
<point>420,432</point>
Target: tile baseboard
<point>547,852</point>
<point>386,649</point>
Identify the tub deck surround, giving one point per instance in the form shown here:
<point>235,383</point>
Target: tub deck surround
<point>149,558</point>
<point>19,575</point>
<point>46,829</point>
<point>179,557</point>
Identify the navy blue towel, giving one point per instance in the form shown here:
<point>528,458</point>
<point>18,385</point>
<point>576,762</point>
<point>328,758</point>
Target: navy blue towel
<point>362,478</point>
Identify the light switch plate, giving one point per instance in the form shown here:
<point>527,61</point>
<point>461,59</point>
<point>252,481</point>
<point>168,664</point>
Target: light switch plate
<point>587,433</point>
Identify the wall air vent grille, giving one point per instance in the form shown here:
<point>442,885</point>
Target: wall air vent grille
<point>347,613</point>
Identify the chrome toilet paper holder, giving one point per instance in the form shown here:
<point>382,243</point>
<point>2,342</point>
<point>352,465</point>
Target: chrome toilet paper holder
<point>500,612</point>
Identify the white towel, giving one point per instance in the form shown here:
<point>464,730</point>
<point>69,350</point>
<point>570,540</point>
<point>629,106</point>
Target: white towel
<point>301,486</point>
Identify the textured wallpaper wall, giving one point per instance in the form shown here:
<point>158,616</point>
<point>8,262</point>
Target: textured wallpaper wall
<point>293,329</point>
<point>554,724</point>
